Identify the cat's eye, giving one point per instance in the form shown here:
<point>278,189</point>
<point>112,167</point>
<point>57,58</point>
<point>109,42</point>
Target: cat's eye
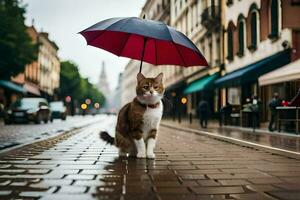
<point>146,87</point>
<point>155,87</point>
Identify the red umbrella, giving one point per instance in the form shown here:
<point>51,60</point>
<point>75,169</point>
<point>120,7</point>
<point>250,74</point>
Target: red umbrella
<point>144,40</point>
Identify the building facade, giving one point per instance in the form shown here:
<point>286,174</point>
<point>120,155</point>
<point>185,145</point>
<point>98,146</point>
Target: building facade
<point>243,41</point>
<point>30,79</point>
<point>260,36</point>
<point>49,65</point>
<point>102,84</point>
<point>41,77</point>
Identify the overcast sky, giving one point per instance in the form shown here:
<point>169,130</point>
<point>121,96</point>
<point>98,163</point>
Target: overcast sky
<point>63,19</point>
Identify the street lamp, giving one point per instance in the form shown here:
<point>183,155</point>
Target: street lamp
<point>88,101</point>
<point>97,105</point>
<point>83,106</point>
<point>183,100</point>
<point>68,99</point>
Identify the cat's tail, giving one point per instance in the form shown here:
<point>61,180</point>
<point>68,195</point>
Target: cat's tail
<point>107,138</point>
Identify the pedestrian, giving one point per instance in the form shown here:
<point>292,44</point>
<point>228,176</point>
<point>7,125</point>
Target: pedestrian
<point>275,102</point>
<point>227,110</point>
<point>203,111</point>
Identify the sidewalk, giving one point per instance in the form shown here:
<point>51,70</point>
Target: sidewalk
<point>78,165</point>
<point>284,141</point>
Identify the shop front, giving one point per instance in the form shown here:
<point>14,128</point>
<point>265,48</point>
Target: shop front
<point>285,81</point>
<point>242,87</point>
<point>198,90</point>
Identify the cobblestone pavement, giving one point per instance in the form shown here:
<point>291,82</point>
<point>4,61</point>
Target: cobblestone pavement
<point>14,134</point>
<point>78,165</point>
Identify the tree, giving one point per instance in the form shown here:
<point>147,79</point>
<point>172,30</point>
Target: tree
<point>16,47</point>
<point>80,89</point>
<point>70,80</point>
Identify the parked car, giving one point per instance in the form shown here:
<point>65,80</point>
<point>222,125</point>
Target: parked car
<point>59,110</point>
<point>27,110</point>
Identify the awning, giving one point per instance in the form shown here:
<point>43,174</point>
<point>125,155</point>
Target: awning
<point>286,73</point>
<point>12,86</point>
<point>176,86</point>
<point>251,73</point>
<point>201,84</point>
<point>31,88</point>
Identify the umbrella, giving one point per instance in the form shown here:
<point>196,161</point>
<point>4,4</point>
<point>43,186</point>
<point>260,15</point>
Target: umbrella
<point>145,40</point>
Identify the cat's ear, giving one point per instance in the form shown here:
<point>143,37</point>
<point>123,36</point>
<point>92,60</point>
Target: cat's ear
<point>159,77</point>
<point>140,77</point>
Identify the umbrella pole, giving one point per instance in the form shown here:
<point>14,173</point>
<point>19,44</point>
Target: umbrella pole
<point>141,65</point>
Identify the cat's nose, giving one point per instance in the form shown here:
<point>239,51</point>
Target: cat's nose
<point>151,91</point>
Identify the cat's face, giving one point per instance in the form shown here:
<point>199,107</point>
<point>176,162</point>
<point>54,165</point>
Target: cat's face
<point>150,90</point>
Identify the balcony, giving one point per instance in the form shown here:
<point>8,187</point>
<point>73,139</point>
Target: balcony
<point>211,17</point>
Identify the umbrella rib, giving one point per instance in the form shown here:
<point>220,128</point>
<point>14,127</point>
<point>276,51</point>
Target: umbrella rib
<point>123,46</point>
<point>155,52</point>
<point>180,54</point>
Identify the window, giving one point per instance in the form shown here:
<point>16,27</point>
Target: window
<point>252,24</point>
<point>274,19</point>
<point>229,2</point>
<point>230,43</point>
<point>241,37</point>
<point>254,31</point>
<point>234,95</point>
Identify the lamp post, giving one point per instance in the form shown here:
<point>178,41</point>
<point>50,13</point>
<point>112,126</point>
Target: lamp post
<point>183,101</point>
<point>173,94</point>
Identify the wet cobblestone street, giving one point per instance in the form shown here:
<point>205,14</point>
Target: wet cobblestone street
<point>15,134</point>
<point>78,165</point>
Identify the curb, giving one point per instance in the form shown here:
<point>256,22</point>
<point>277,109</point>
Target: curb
<point>273,150</point>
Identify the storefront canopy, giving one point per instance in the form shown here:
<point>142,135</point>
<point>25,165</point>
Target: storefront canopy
<point>31,88</point>
<point>201,84</point>
<point>287,73</point>
<point>251,73</point>
<point>12,86</point>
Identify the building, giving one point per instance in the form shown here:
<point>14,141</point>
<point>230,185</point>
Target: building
<point>129,81</point>
<point>49,65</point>
<point>260,36</point>
<point>103,85</point>
<point>30,79</point>
<point>114,101</point>
<point>41,77</point>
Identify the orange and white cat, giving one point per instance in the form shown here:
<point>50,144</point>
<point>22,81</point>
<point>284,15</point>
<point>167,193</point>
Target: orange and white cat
<point>138,121</point>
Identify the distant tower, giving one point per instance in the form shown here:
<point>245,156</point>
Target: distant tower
<point>103,84</point>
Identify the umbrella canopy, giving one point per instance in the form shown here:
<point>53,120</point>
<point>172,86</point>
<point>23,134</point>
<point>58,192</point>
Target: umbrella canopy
<point>145,40</point>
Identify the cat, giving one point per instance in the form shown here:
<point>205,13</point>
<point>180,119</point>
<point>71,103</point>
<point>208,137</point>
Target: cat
<point>138,121</point>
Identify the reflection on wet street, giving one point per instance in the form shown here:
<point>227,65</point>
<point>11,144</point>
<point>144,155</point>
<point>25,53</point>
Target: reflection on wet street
<point>286,141</point>
<point>283,141</point>
<point>78,165</point>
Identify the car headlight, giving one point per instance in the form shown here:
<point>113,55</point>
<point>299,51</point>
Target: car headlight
<point>31,111</point>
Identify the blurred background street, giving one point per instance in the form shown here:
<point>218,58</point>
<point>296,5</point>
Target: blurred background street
<point>230,130</point>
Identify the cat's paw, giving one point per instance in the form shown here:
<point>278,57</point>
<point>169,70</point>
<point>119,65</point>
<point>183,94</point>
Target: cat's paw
<point>141,155</point>
<point>150,155</point>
